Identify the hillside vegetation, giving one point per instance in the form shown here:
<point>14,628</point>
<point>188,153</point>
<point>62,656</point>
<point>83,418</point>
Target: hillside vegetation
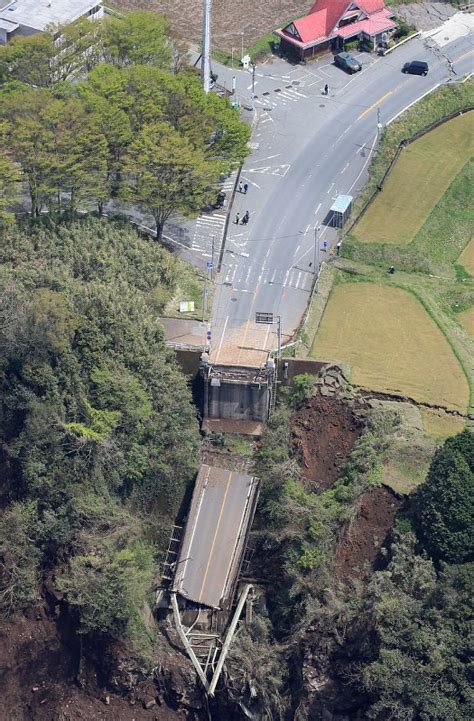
<point>98,434</point>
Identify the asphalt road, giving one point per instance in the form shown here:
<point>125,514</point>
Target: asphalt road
<point>215,532</point>
<point>307,149</point>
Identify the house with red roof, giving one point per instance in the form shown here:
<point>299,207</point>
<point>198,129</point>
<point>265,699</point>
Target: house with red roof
<point>330,23</point>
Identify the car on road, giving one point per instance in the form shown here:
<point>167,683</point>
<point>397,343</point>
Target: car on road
<point>346,61</point>
<point>416,67</point>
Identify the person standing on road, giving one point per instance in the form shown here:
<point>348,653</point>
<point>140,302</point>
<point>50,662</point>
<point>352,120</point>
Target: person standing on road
<point>326,89</point>
<point>246,187</point>
<point>246,218</point>
<point>241,187</point>
<point>237,218</point>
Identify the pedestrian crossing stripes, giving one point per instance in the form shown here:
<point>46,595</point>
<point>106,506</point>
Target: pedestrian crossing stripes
<point>283,97</point>
<point>249,277</point>
<point>210,227</point>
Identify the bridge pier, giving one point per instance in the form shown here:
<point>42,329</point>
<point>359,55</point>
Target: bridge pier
<point>237,393</point>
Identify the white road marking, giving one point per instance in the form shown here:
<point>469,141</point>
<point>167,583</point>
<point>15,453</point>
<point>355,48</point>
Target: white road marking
<point>365,164</point>
<point>412,103</point>
<point>317,209</point>
<point>330,188</point>
<point>222,338</point>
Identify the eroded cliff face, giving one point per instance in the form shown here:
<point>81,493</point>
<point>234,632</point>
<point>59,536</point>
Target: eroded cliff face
<point>48,673</point>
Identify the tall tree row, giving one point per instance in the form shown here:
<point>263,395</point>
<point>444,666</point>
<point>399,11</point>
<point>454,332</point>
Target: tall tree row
<point>99,110</point>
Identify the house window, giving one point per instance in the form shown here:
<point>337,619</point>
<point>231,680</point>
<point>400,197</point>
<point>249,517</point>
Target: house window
<point>94,10</point>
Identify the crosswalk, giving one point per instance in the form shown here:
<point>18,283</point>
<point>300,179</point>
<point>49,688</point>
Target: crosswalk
<point>210,227</point>
<point>281,96</point>
<point>245,279</point>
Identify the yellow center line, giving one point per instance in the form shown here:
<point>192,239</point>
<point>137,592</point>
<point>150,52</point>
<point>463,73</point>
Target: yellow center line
<point>377,102</point>
<point>215,535</point>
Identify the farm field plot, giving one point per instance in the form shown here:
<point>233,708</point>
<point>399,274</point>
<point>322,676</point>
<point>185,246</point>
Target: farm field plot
<point>466,259</point>
<point>392,345</point>
<point>466,318</point>
<point>422,174</point>
<point>230,18</point>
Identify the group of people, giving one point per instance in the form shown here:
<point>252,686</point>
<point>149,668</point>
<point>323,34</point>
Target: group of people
<point>244,220</point>
<point>243,187</point>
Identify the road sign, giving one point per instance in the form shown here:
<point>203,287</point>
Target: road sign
<point>264,318</point>
<point>208,335</point>
<point>209,264</point>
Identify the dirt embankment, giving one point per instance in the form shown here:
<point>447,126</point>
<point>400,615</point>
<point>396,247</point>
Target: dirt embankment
<point>361,543</point>
<point>324,431</point>
<point>41,678</point>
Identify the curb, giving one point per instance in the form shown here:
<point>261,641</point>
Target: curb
<point>226,226</point>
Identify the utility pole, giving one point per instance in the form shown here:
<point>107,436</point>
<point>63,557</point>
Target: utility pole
<point>206,46</point>
<point>317,228</point>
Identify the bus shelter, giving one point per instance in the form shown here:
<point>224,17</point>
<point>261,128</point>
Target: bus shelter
<point>341,210</point>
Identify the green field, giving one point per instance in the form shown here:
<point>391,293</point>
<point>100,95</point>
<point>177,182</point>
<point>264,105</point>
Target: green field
<point>420,178</point>
<point>392,345</point>
<point>466,259</point>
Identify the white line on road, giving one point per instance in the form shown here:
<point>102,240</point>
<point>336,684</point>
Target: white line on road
<point>330,188</point>
<point>344,168</point>
<point>365,164</point>
<point>222,338</point>
<point>317,209</point>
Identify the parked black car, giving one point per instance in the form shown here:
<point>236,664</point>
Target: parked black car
<point>346,61</point>
<point>416,67</point>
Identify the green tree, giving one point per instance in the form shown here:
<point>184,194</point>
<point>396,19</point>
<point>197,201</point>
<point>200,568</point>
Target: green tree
<point>30,134</point>
<point>138,38</point>
<point>444,504</point>
<point>29,60</point>
<point>9,177</point>
<point>164,174</point>
<point>19,558</point>
<point>109,586</point>
<point>420,625</point>
<point>80,155</point>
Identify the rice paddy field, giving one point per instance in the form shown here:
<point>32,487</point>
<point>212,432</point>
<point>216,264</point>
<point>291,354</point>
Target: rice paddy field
<point>392,344</point>
<point>424,171</point>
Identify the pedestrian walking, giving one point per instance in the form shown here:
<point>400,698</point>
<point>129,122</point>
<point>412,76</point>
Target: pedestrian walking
<point>326,89</point>
<point>246,187</point>
<point>241,187</point>
<point>237,218</point>
<point>246,218</point>
<point>338,248</point>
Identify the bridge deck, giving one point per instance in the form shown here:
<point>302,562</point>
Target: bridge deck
<point>221,511</point>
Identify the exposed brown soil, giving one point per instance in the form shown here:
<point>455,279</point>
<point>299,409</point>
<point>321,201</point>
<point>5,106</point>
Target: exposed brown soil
<point>359,549</point>
<point>38,678</point>
<point>325,431</point>
<point>230,18</point>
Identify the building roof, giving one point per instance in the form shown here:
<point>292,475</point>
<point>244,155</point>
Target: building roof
<point>320,24</point>
<point>38,14</point>
<point>311,27</point>
<point>342,203</point>
<point>378,23</point>
<point>221,512</point>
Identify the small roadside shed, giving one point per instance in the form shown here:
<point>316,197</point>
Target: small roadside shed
<point>341,210</point>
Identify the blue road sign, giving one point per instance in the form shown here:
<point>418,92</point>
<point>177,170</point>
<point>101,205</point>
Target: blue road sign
<point>209,264</point>
<point>209,335</point>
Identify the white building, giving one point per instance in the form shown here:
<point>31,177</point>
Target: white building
<point>27,17</point>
